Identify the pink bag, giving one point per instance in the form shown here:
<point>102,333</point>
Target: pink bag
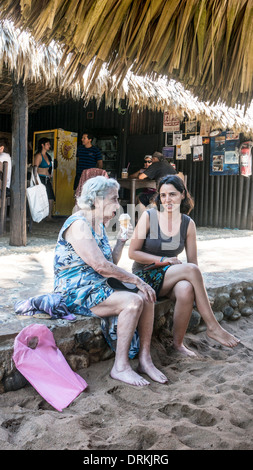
<point>39,360</point>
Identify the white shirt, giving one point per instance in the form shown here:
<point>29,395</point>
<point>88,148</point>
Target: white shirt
<point>5,157</point>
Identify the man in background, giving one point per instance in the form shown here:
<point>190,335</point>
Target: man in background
<point>146,164</point>
<point>87,156</point>
<point>159,168</point>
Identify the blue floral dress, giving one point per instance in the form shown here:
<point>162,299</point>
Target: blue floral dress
<point>83,288</point>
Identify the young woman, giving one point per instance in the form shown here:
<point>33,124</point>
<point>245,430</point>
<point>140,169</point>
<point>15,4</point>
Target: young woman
<point>43,162</point>
<point>159,237</point>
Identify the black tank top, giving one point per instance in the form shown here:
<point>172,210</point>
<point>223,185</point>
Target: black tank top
<point>159,244</point>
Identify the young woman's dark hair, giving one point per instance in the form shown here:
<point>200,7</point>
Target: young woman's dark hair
<point>41,142</point>
<point>187,203</point>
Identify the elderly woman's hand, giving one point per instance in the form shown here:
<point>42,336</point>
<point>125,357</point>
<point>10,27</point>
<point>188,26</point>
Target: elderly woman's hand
<point>147,290</point>
<point>125,233</point>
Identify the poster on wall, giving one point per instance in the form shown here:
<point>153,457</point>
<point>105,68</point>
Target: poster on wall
<point>185,148</point>
<point>180,155</point>
<point>170,123</point>
<point>191,127</point>
<point>197,153</point>
<point>168,152</point>
<point>177,138</point>
<point>224,154</point>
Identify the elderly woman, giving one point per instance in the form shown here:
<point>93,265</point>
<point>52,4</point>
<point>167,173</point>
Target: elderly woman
<point>160,236</point>
<point>84,262</point>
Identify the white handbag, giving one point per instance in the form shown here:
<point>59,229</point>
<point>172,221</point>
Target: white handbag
<point>37,199</point>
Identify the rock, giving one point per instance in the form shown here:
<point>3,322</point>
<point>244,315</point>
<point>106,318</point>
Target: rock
<point>160,322</point>
<point>78,361</point>
<point>246,311</point>
<point>228,312</point>
<point>14,381</point>
<point>248,290</point>
<point>241,302</point>
<point>221,299</point>
<point>233,303</point>
<point>194,321</point>
<point>236,315</point>
<point>219,316</point>
<point>236,292</point>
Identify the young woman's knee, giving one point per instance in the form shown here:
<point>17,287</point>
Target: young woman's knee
<point>193,270</point>
<point>184,291</point>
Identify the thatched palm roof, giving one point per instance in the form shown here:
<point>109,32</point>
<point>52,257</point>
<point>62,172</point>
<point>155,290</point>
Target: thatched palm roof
<point>205,44</point>
<point>163,95</point>
<point>37,65</point>
<point>46,82</point>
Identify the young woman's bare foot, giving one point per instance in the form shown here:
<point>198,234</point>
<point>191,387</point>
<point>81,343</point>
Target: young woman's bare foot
<point>147,367</point>
<point>128,376</point>
<point>222,336</point>
<point>184,350</point>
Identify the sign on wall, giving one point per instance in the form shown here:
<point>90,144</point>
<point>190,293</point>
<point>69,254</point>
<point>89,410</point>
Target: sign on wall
<point>170,122</point>
<point>224,154</point>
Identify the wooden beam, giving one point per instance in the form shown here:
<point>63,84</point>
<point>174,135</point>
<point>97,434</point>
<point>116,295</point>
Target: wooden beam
<point>40,97</point>
<point>19,164</point>
<point>6,96</point>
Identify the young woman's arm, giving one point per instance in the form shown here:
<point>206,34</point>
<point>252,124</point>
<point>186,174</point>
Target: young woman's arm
<point>191,244</point>
<point>37,159</point>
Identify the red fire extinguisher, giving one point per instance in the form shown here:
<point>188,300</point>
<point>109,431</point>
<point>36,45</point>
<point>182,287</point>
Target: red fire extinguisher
<point>245,151</point>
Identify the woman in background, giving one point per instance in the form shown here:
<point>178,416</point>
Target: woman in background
<point>43,162</point>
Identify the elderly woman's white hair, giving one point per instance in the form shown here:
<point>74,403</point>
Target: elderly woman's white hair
<point>99,186</point>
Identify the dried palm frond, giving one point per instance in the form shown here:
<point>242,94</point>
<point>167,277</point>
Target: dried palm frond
<point>44,70</point>
<point>206,44</point>
<point>161,95</point>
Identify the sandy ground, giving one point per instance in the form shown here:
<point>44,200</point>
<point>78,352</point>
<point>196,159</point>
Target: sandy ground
<point>206,405</point>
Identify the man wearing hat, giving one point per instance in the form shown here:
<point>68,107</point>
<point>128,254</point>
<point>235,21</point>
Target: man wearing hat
<point>147,163</point>
<point>159,168</point>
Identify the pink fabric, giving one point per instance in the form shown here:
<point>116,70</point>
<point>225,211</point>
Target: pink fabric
<point>45,367</point>
<point>87,174</point>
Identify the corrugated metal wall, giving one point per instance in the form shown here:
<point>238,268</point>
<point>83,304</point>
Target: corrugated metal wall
<point>5,122</point>
<point>72,116</point>
<point>224,201</point>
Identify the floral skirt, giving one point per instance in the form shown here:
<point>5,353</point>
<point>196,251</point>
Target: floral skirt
<point>153,277</point>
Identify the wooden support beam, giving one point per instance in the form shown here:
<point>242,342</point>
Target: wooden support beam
<point>6,96</point>
<point>19,164</point>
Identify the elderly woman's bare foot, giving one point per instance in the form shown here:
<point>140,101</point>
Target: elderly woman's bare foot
<point>128,376</point>
<point>222,336</point>
<point>147,367</point>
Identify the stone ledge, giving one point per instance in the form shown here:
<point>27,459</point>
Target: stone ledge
<point>83,343</point>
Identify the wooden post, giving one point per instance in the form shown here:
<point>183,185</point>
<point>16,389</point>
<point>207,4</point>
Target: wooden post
<point>19,164</point>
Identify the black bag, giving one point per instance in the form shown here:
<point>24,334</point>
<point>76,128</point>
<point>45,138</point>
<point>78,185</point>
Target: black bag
<point>119,285</point>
